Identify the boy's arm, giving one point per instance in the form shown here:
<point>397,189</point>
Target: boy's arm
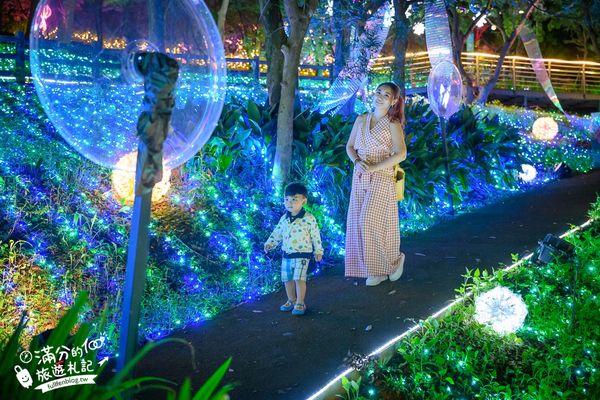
<point>315,236</point>
<point>276,236</point>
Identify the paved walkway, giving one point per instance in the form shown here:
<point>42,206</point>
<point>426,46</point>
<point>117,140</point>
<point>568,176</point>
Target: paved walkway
<point>277,356</point>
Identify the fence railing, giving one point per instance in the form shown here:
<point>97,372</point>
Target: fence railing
<point>18,65</point>
<point>581,77</point>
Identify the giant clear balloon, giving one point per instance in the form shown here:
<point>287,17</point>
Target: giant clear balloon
<point>444,89</point>
<point>82,64</point>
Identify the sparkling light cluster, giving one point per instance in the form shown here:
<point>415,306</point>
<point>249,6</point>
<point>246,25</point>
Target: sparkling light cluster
<point>501,309</point>
<point>228,218</point>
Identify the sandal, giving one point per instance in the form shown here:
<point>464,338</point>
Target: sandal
<point>288,306</point>
<point>299,309</point>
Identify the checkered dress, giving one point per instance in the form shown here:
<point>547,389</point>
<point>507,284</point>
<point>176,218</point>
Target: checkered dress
<point>373,231</point>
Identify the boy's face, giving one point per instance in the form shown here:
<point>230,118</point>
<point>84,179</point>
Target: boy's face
<point>294,203</point>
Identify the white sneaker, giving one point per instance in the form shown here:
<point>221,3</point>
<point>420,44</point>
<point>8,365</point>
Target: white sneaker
<point>394,276</point>
<point>375,280</point>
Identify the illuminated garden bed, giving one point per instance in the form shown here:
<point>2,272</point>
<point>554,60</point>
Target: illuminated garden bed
<point>63,230</point>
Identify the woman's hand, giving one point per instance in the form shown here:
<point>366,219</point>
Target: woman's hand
<point>362,166</point>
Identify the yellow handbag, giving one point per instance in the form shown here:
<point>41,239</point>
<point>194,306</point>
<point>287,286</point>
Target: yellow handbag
<point>399,175</point>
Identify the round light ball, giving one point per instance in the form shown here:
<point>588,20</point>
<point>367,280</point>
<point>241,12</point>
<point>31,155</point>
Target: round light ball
<point>500,309</point>
<point>528,173</point>
<point>85,78</point>
<point>123,180</point>
<point>544,128</point>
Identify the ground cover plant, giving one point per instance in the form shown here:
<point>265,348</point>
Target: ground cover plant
<point>554,355</point>
<point>76,335</point>
<point>63,231</point>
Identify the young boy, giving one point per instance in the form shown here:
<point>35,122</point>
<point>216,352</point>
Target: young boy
<point>301,239</point>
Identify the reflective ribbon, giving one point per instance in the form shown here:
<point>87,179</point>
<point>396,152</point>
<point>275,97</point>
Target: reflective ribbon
<point>354,74</point>
<point>532,47</point>
<point>437,33</point>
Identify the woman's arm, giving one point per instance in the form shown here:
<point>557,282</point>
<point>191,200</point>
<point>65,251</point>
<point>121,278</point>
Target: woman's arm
<point>398,149</point>
<point>350,150</point>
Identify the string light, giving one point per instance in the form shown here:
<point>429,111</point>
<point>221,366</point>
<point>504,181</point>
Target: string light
<point>226,212</point>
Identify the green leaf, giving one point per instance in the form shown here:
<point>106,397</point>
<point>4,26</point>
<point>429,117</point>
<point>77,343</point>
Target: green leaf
<point>206,391</point>
<point>253,111</point>
<point>224,161</point>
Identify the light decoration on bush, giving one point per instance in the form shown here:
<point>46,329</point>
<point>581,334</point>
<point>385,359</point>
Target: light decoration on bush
<point>123,180</point>
<point>501,309</point>
<point>528,173</point>
<point>544,128</point>
<point>419,28</point>
<point>28,134</point>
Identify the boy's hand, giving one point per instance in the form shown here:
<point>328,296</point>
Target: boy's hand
<point>318,257</point>
<point>268,247</point>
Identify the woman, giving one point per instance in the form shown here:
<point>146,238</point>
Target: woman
<point>375,146</point>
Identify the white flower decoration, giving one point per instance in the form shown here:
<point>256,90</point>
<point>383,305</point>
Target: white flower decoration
<point>544,128</point>
<point>501,309</point>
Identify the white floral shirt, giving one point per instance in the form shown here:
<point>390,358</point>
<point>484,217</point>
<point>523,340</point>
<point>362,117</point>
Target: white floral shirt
<point>299,234</point>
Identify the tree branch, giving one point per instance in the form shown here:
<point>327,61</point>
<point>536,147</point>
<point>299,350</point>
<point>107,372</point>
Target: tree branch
<point>474,23</point>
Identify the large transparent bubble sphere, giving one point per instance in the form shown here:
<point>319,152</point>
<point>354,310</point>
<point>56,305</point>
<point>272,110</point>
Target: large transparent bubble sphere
<point>444,89</point>
<point>82,65</point>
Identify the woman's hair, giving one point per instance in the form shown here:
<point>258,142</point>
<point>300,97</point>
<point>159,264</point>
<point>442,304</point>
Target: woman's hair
<point>396,112</point>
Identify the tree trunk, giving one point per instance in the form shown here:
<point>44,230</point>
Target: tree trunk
<point>588,25</point>
<point>299,19</point>
<point>401,29</point>
<point>65,33</point>
<point>221,14</point>
<point>458,43</point>
<point>272,21</point>
<point>457,49</point>
<point>34,4</point>
<point>341,37</point>
<point>485,91</point>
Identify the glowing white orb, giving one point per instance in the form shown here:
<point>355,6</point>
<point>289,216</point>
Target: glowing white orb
<point>123,180</point>
<point>544,128</point>
<point>419,28</point>
<point>501,309</point>
<point>528,173</point>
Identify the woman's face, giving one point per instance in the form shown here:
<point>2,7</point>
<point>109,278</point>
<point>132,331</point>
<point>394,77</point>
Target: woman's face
<point>383,98</point>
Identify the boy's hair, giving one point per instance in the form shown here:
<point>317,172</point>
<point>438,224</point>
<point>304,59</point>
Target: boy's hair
<point>296,188</point>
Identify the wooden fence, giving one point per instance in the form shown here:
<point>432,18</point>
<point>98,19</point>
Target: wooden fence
<point>18,65</point>
<point>581,77</point>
